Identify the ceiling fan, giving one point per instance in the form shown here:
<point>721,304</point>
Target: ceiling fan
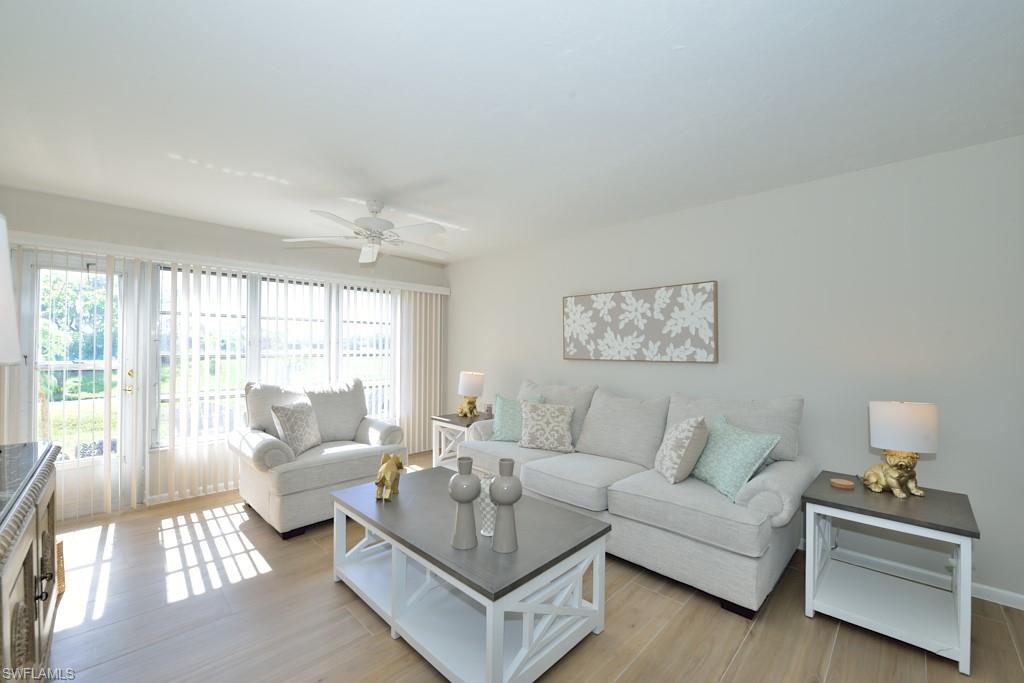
<point>375,231</point>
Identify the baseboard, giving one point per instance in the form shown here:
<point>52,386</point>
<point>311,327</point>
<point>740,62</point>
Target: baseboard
<point>926,576</point>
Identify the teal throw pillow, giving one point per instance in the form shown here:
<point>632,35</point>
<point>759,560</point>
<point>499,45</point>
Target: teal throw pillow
<point>731,456</point>
<point>508,418</point>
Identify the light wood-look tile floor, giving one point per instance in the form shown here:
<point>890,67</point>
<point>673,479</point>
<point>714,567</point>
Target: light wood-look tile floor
<point>204,589</point>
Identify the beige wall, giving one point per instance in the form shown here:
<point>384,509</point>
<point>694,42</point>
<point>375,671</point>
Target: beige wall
<point>899,282</point>
<point>58,216</point>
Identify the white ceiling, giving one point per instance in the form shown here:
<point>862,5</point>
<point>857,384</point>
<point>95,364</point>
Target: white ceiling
<point>513,120</point>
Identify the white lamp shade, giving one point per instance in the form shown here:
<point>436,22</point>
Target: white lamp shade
<point>471,383</point>
<point>900,426</point>
<point>10,343</point>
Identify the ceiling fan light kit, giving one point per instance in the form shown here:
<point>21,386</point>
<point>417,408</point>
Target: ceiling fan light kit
<point>369,252</point>
<point>375,231</point>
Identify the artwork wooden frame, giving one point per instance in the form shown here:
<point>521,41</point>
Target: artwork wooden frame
<point>669,324</point>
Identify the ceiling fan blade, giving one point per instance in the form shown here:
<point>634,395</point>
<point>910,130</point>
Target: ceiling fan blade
<point>337,219</point>
<point>421,249</point>
<point>320,239</point>
<point>419,229</point>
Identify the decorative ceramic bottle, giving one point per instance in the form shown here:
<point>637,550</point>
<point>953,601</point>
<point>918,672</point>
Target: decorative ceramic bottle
<point>506,489</point>
<point>485,508</point>
<point>464,488</point>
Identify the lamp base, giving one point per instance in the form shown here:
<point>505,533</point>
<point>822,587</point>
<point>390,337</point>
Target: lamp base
<point>897,474</point>
<point>468,407</point>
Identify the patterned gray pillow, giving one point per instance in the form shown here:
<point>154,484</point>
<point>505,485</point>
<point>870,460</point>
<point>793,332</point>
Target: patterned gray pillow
<point>296,426</point>
<point>547,426</point>
<point>681,448</point>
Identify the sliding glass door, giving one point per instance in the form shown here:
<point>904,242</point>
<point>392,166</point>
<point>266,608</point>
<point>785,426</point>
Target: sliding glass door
<point>77,376</point>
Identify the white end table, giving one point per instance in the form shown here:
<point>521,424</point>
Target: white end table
<point>448,431</point>
<point>934,618</point>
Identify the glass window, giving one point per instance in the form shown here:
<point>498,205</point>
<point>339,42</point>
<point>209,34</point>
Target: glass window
<point>293,332</point>
<point>210,337</point>
<point>367,346</point>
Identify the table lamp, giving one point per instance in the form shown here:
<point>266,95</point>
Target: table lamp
<point>10,343</point>
<point>471,385</point>
<point>902,430</point>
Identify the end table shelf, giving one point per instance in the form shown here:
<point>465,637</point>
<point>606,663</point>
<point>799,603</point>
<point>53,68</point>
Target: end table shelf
<point>933,618</point>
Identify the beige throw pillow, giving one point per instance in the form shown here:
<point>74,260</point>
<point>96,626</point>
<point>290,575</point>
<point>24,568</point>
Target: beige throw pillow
<point>546,426</point>
<point>681,449</point>
<point>296,426</point>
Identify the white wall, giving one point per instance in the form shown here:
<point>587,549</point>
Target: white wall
<point>65,217</point>
<point>898,282</point>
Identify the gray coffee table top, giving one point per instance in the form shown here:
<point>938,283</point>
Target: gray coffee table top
<point>939,510</point>
<point>422,518</point>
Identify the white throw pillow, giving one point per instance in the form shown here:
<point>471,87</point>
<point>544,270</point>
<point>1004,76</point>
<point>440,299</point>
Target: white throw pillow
<point>339,410</point>
<point>546,426</point>
<point>297,427</point>
<point>681,449</point>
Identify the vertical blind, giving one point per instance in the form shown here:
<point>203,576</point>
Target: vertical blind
<point>202,367</point>
<point>366,346</point>
<point>293,331</point>
<point>422,361</point>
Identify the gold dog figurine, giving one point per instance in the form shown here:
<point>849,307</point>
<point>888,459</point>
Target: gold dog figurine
<point>894,474</point>
<point>387,476</point>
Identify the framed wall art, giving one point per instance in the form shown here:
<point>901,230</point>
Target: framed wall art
<point>672,324</point>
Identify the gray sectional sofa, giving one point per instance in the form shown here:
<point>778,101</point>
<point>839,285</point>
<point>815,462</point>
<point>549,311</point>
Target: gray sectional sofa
<point>687,531</point>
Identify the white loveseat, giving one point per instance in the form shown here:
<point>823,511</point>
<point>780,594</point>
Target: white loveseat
<point>292,490</point>
<point>687,531</point>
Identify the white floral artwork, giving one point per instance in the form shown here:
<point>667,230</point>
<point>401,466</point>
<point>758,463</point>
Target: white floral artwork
<point>676,324</point>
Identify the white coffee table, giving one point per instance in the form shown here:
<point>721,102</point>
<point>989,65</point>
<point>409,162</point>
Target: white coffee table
<point>475,615</point>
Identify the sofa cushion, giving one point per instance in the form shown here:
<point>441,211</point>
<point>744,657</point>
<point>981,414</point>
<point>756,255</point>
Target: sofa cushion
<point>579,479</point>
<point>297,426</point>
<point>339,410</point>
<point>560,394</point>
<point>486,454</point>
<point>333,462</point>
<point>546,427</point>
<point>627,429</point>
<point>690,508</point>
<point>259,398</point>
<point>773,416</point>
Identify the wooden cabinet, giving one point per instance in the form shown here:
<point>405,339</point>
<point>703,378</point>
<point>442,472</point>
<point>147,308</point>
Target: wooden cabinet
<point>27,557</point>
<point>46,578</point>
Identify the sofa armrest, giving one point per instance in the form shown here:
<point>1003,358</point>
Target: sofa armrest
<point>379,433</point>
<point>776,491</point>
<point>480,431</point>
<point>263,450</point>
